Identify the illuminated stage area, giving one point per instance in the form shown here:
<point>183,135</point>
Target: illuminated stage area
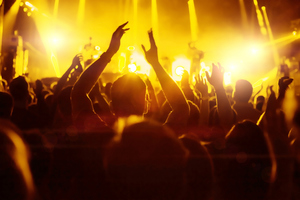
<point>150,99</point>
<point>249,38</point>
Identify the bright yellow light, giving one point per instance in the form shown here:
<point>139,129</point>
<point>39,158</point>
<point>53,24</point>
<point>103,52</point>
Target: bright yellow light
<point>21,3</point>
<point>122,60</point>
<point>139,60</point>
<point>95,56</point>
<point>227,78</point>
<point>25,9</point>
<point>193,20</point>
<point>180,62</point>
<point>202,64</point>
<point>131,48</point>
<point>29,14</point>
<point>97,48</point>
<point>179,70</point>
<point>294,32</point>
<point>132,67</point>
<point>254,50</point>
<point>55,41</point>
<point>233,68</point>
<point>29,4</point>
<point>32,9</point>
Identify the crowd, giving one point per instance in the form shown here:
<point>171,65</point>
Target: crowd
<point>82,139</point>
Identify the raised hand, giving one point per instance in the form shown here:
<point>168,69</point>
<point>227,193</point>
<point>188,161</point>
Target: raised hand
<point>38,87</point>
<point>216,78</point>
<point>116,39</point>
<point>201,85</point>
<point>151,55</point>
<point>284,83</point>
<point>77,59</point>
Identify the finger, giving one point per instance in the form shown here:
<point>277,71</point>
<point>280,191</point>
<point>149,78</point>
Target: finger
<point>144,49</point>
<point>207,75</point>
<point>195,78</point>
<point>122,25</point>
<point>151,38</point>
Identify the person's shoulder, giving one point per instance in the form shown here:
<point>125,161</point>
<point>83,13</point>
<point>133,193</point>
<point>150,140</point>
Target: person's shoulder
<point>89,121</point>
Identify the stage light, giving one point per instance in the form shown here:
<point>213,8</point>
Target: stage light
<point>97,48</point>
<point>233,67</point>
<point>28,4</point>
<point>25,9</point>
<point>178,66</point>
<point>131,48</point>
<point>21,3</point>
<point>179,70</point>
<point>254,50</point>
<point>294,33</point>
<point>29,14</point>
<point>227,78</point>
<point>95,56</point>
<point>32,9</point>
<point>140,61</point>
<point>132,67</point>
<point>202,64</point>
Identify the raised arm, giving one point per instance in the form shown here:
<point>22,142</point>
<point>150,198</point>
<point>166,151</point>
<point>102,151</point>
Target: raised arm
<point>226,114</point>
<point>201,87</point>
<point>85,83</point>
<point>174,95</point>
<point>62,81</point>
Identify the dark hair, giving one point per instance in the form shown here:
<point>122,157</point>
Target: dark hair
<point>19,88</point>
<point>243,90</point>
<point>146,161</point>
<point>128,95</point>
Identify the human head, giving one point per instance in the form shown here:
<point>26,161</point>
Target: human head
<point>19,89</point>
<point>146,161</point>
<point>248,162</point>
<point>128,95</point>
<point>243,91</point>
<point>260,101</point>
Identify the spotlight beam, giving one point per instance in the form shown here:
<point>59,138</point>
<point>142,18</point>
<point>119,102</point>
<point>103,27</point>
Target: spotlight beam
<point>193,20</point>
<point>80,13</point>
<point>274,49</point>
<point>154,16</point>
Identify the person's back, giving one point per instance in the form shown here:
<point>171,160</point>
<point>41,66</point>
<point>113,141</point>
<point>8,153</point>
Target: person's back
<point>21,116</point>
<point>243,172</point>
<point>244,109</point>
<point>145,161</point>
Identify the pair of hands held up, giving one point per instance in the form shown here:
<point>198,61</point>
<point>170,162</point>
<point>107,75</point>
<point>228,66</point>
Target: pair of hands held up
<point>216,78</point>
<point>151,54</point>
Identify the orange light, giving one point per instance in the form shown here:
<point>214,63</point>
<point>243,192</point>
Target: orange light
<point>131,48</point>
<point>294,33</point>
<point>132,67</point>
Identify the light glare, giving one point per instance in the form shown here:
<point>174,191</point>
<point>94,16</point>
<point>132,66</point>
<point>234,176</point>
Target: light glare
<point>132,67</point>
<point>179,71</point>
